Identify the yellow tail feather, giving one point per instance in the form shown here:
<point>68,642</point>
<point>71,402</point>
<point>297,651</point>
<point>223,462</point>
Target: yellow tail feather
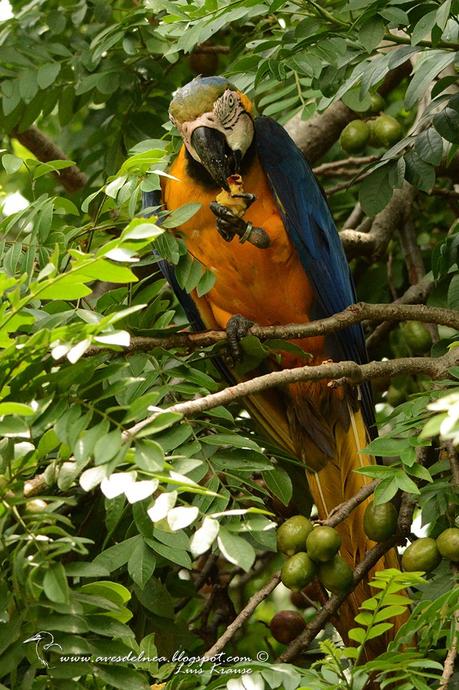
<point>334,484</point>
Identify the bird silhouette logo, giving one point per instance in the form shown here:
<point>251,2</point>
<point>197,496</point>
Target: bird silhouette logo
<point>44,640</point>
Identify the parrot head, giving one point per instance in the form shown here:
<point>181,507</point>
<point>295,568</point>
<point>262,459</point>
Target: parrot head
<point>215,122</point>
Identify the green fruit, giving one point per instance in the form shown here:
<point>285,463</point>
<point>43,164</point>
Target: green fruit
<point>336,575</point>
<point>292,534</point>
<point>285,626</point>
<point>380,522</point>
<point>354,136</point>
<point>323,543</point>
<point>448,544</point>
<point>298,571</point>
<point>377,103</point>
<point>422,554</point>
<point>387,130</point>
<point>416,336</point>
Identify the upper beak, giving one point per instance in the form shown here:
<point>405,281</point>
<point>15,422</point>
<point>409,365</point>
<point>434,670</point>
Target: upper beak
<point>216,156</point>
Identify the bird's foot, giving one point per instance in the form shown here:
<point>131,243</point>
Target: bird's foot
<point>229,225</point>
<point>236,329</point>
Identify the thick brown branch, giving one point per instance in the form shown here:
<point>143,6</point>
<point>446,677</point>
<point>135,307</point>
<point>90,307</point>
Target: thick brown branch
<point>356,313</point>
<point>348,372</point>
<point>384,225</point>
<point>72,179</point>
<point>243,616</point>
<point>416,294</point>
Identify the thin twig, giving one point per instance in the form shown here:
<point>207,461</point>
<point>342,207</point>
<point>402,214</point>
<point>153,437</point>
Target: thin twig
<point>243,616</point>
<point>343,510</point>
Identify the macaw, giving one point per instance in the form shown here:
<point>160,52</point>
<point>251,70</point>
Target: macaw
<point>301,276</point>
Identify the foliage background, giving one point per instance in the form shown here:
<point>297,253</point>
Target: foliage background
<point>112,567</point>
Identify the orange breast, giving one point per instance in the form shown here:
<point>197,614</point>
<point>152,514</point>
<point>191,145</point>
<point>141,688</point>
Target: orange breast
<point>268,286</point>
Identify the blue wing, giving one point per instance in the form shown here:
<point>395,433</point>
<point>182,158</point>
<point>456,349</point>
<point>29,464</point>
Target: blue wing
<point>311,228</point>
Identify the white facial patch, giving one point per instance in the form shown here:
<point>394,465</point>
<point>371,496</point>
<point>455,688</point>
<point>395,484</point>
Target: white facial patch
<point>229,117</point>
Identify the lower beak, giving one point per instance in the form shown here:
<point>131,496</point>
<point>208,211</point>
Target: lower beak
<point>216,156</point>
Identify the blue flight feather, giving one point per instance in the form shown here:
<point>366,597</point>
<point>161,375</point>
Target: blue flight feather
<point>311,228</point>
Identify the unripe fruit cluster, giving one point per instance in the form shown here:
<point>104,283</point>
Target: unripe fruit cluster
<point>312,552</point>
<point>383,130</point>
<point>426,553</point>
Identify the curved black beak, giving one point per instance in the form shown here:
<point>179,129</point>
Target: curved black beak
<point>216,156</point>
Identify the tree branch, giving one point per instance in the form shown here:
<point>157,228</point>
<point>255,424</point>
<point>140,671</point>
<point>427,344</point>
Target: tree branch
<point>384,225</point>
<point>356,313</point>
<point>416,294</point>
<point>72,179</point>
<point>344,372</point>
<point>243,616</point>
<point>343,510</point>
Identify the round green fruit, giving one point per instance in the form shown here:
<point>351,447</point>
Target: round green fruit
<point>416,336</point>
<point>448,544</point>
<point>336,575</point>
<point>285,626</point>
<point>422,554</point>
<point>377,103</point>
<point>323,543</point>
<point>298,571</point>
<point>380,522</point>
<point>292,535</point>
<point>387,130</point>
<point>354,136</point>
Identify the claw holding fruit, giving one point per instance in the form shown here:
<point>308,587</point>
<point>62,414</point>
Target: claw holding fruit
<point>229,208</point>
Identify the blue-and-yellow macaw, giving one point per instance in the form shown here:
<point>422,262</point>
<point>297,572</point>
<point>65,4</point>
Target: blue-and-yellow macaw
<point>301,276</point>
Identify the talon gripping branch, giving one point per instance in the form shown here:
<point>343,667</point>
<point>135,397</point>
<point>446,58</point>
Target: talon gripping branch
<point>302,275</point>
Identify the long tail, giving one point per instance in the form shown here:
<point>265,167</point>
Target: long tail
<point>334,484</point>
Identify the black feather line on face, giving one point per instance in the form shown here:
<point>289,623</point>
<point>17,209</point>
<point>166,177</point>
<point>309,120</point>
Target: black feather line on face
<point>199,174</point>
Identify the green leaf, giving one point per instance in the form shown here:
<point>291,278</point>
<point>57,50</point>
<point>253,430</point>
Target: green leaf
<point>149,455</point>
<point>418,172</point>
<point>279,483</point>
<point>386,490</point>
<point>447,124</point>
<point>389,612</point>
<point>156,598</point>
<point>387,447</point>
<point>235,549</point>
<point>107,447</point>
<point>357,634</point>
<point>426,70</point>
<point>141,564</point>
<point>371,33</point>
<point>55,584</point>
<point>429,146</point>
<point>453,293</point>
<point>423,27</point>
<point>116,556</point>
<point>47,74</point>
<point>180,215</point>
<point>375,191</point>
<point>11,163</point>
<point>123,678</point>
<point>405,483</point>
<point>15,408</point>
<point>141,229</point>
<point>379,629</point>
<point>206,283</point>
